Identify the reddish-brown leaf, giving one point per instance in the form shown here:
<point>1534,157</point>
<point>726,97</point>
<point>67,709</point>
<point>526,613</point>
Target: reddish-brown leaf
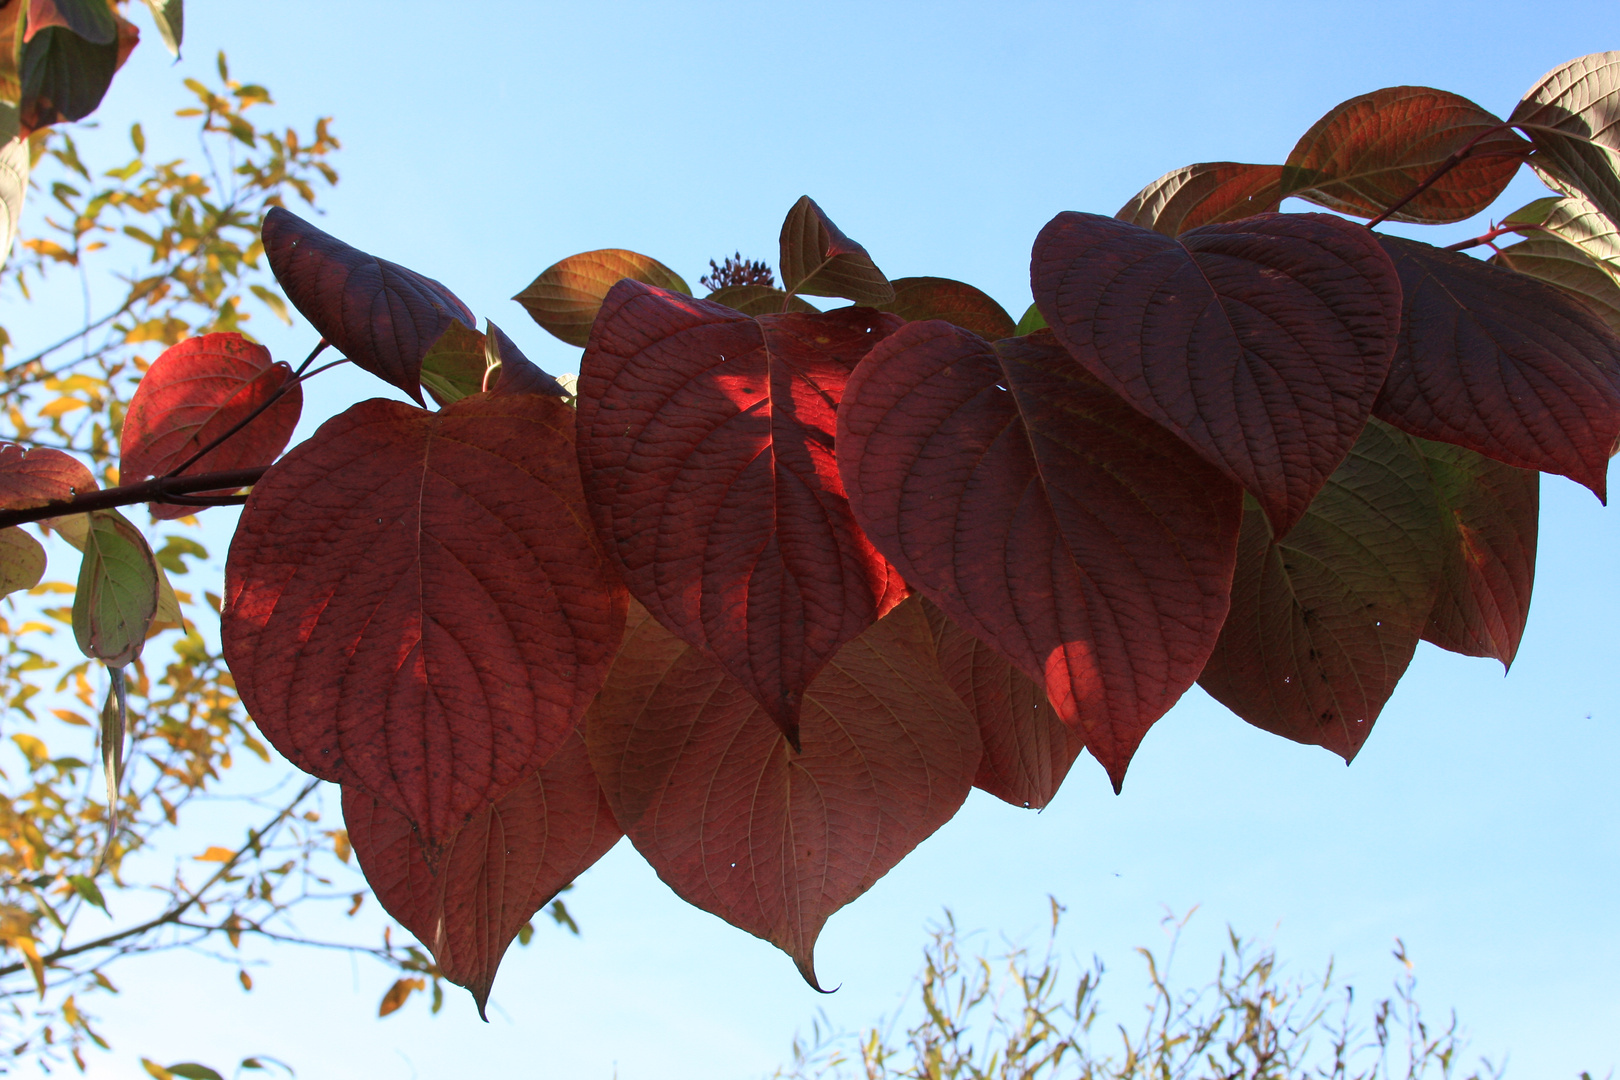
<point>819,260</point>
<point>1490,551</point>
<point>758,300</point>
<point>416,603</point>
<point>509,861</point>
<point>1204,194</point>
<point>706,442</point>
<point>1500,363</point>
<point>510,372</point>
<point>956,302</point>
<point>735,821</point>
<point>34,477</point>
<point>565,297</point>
<point>1325,620</point>
<point>1370,152</point>
<point>195,392</point>
<point>378,314</point>
<point>1262,342</point>
<point>1027,749</point>
<point>1046,516</point>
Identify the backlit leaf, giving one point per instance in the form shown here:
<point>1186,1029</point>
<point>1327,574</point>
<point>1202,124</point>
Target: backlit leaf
<point>1027,749</point>
<point>13,189</point>
<point>454,367</point>
<point>919,298</point>
<point>195,392</point>
<point>706,442</point>
<point>117,595</point>
<point>63,75</point>
<point>22,561</point>
<point>1370,152</point>
<point>1262,343</point>
<point>566,296</point>
<point>169,15</point>
<point>1502,364</point>
<point>34,477</point>
<point>758,300</point>
<point>415,602</point>
<point>1324,621</point>
<point>509,861</point>
<point>1204,194</point>
<point>1490,513</point>
<point>1573,117</point>
<point>819,260</point>
<point>1045,516</point>
<point>508,371</point>
<point>378,314</point>
<point>735,821</point>
<point>1031,321</point>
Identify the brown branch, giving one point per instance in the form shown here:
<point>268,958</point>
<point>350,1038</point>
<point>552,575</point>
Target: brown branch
<point>1457,157</point>
<point>128,494</point>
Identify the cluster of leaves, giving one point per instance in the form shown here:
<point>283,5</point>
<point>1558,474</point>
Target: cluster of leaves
<point>777,586</point>
<point>1011,1017</point>
<point>71,901</point>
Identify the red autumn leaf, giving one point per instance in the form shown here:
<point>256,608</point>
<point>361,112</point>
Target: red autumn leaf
<point>819,260</point>
<point>1370,152</point>
<point>1027,749</point>
<point>379,314</point>
<point>956,302</point>
<point>194,393</point>
<point>1490,553</point>
<point>1262,342</point>
<point>1502,364</point>
<point>415,602</point>
<point>1204,194</point>
<point>706,441</point>
<point>513,373</point>
<point>34,477</point>
<point>735,821</point>
<point>1047,517</point>
<point>509,861</point>
<point>1325,620</point>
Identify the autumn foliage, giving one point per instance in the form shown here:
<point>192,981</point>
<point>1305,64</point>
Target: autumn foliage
<point>780,585</point>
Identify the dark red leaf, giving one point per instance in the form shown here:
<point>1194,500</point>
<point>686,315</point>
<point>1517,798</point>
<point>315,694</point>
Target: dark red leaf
<point>1084,542</point>
<point>819,260</point>
<point>1490,551</point>
<point>1372,151</point>
<point>1262,342</point>
<point>415,602</point>
<point>34,477</point>
<point>733,820</point>
<point>63,77</point>
<point>91,20</point>
<point>509,861</point>
<point>919,298</point>
<point>1204,194</point>
<point>1027,749</point>
<point>706,442</point>
<point>378,314</point>
<point>195,392</point>
<point>514,373</point>
<point>1324,621</point>
<point>1502,364</point>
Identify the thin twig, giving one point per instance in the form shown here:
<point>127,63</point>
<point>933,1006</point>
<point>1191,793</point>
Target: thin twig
<point>156,490</point>
<point>297,377</point>
<point>1446,166</point>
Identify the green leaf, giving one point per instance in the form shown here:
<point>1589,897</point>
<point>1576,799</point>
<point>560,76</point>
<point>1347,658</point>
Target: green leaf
<point>1573,117</point>
<point>454,367</point>
<point>819,260</point>
<point>758,300</point>
<point>22,561</point>
<point>117,596</point>
<point>192,1071</point>
<point>13,188</point>
<point>170,20</point>
<point>1032,321</point>
<point>1325,620</point>
<point>565,297</point>
<point>172,555</point>
<point>64,76</point>
<point>88,891</point>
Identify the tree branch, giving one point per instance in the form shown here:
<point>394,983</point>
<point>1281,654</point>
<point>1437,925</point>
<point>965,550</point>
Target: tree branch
<point>157,490</point>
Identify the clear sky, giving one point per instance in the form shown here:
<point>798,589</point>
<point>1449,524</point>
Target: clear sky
<point>484,141</point>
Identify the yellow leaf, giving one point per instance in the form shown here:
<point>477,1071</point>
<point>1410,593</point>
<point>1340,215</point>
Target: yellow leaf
<point>245,980</point>
<point>217,854</point>
<point>26,946</point>
<point>68,716</point>
<point>396,996</point>
<point>61,407</point>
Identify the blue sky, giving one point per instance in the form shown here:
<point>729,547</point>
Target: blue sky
<point>482,142</point>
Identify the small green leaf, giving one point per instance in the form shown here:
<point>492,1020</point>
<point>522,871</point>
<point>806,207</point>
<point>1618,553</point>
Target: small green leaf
<point>1032,321</point>
<point>170,20</point>
<point>171,556</point>
<point>566,296</point>
<point>87,890</point>
<point>192,1071</point>
<point>118,590</point>
<point>454,367</point>
<point>22,561</point>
